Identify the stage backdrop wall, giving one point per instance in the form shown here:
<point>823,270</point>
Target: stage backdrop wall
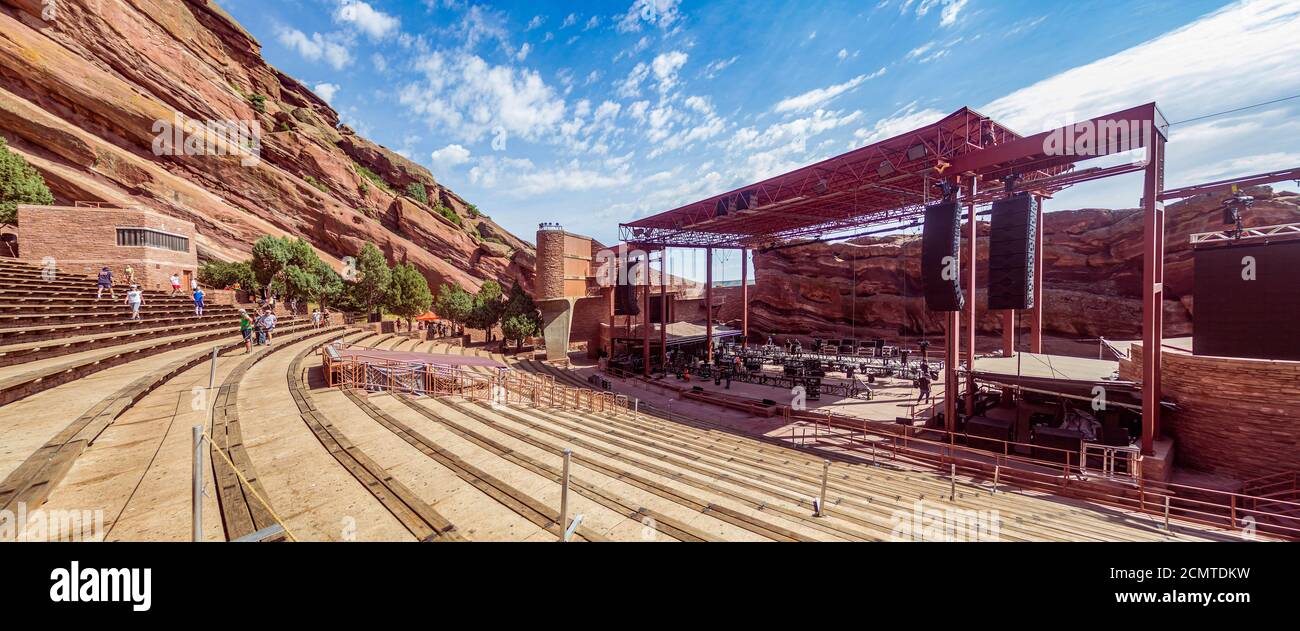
<point>1238,417</point>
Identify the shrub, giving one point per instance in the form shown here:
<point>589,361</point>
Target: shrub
<point>320,186</point>
<point>449,215</point>
<point>415,191</point>
<point>19,184</point>
<point>258,101</point>
<point>372,176</point>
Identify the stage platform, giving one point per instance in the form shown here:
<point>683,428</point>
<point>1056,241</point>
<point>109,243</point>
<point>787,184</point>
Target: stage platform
<point>405,357</point>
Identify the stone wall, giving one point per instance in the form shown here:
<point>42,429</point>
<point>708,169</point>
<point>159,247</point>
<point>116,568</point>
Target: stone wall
<point>83,240</point>
<point>1238,417</point>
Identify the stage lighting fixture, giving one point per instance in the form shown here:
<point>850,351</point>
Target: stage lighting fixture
<point>885,168</point>
<point>916,152</point>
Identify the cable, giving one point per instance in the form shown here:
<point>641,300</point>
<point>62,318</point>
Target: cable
<point>1239,109</point>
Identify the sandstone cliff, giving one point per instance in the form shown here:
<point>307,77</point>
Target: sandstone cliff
<point>86,94</point>
<point>1092,267</point>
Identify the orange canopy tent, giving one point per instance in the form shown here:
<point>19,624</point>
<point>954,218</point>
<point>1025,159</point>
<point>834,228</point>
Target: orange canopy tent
<point>427,316</point>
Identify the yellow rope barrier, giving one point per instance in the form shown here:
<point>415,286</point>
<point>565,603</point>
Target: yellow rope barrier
<point>246,483</point>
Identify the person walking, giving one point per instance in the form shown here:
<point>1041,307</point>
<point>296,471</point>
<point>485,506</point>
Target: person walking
<point>315,319</point>
<point>130,275</point>
<point>923,383</point>
<point>259,326</point>
<point>105,281</point>
<point>176,284</point>
<point>194,284</point>
<point>270,326</point>
<point>134,299</point>
<point>246,330</point>
<point>198,301</point>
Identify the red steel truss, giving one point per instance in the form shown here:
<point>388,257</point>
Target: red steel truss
<point>891,182</point>
<point>880,184</point>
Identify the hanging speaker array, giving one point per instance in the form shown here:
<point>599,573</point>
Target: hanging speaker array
<point>1013,230</point>
<point>940,253</point>
<point>625,303</point>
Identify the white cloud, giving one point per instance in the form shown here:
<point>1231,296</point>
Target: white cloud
<point>948,16</point>
<point>375,24</point>
<point>520,177</point>
<point>661,13</point>
<point>631,85</point>
<point>1239,55</point>
<point>450,156</point>
<point>326,91</point>
<point>523,51</point>
<point>665,68</point>
<point>333,48</point>
<point>718,65</point>
<point>468,97</point>
<point>592,23</point>
<point>537,21</point>
<point>569,20</point>
<point>821,96</point>
<point>903,120</point>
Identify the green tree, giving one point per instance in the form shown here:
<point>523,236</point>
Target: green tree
<point>408,292</point>
<point>221,274</point>
<point>289,267</point>
<point>19,184</point>
<point>372,280</point>
<point>330,286</point>
<point>488,307</point>
<point>520,316</point>
<point>517,327</point>
<point>454,303</point>
<point>270,257</point>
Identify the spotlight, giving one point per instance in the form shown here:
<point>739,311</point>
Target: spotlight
<point>916,152</point>
<point>885,168</point>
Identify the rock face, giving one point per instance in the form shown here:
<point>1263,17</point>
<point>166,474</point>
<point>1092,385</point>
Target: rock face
<point>87,95</point>
<point>1092,276</point>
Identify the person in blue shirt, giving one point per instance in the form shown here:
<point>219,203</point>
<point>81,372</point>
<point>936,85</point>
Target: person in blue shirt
<point>198,301</point>
<point>105,281</point>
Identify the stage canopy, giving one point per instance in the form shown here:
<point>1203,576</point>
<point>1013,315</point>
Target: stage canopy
<point>884,184</point>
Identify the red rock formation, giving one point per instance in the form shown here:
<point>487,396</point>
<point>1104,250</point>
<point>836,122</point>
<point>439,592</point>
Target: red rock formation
<point>1092,268</point>
<point>83,97</point>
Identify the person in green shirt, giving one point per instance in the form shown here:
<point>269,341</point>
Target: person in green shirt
<point>246,329</point>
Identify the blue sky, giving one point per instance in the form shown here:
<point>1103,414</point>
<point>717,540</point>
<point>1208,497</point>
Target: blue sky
<point>594,113</point>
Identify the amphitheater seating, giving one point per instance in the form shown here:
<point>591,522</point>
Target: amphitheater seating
<point>450,469</point>
<point>53,330</point>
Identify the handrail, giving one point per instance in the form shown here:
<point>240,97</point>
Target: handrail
<point>505,386</point>
<point>1221,509</point>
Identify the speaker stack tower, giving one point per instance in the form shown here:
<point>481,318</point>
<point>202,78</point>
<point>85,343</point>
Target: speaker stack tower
<point>1012,235</point>
<point>940,253</point>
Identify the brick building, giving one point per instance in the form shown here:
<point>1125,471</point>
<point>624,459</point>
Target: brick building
<point>81,240</point>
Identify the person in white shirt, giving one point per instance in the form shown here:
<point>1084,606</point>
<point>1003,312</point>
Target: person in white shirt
<point>176,284</point>
<point>135,298</point>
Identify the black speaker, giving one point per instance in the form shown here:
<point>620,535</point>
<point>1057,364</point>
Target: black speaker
<point>941,239</point>
<point>625,301</point>
<point>1012,233</point>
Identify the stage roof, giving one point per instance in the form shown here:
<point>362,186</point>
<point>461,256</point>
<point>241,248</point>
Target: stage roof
<point>884,184</point>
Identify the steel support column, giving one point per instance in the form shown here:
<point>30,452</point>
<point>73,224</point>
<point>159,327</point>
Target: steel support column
<point>950,340</point>
<point>708,305</point>
<point>972,239</point>
<point>645,320</point>
<point>1009,333</point>
<point>1153,272</point>
<point>1036,314</point>
<point>663,308</point>
<point>612,289</point>
<point>744,297</point>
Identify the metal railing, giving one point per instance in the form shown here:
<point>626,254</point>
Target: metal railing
<point>1064,472</point>
<point>505,386</point>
